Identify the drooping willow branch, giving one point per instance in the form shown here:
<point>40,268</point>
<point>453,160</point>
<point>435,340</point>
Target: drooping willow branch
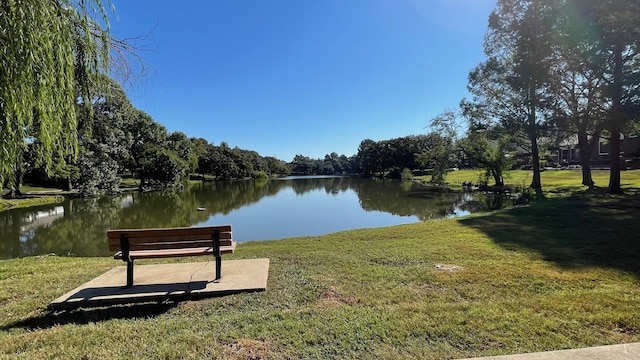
<point>48,48</point>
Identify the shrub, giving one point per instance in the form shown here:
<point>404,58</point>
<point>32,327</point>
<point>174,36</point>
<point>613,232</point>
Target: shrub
<point>260,175</point>
<point>406,174</point>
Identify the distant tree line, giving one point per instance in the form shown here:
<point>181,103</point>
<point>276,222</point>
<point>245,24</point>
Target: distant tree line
<point>332,164</point>
<point>390,157</point>
<point>226,163</point>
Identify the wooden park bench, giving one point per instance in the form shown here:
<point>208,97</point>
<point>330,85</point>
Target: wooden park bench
<point>133,244</point>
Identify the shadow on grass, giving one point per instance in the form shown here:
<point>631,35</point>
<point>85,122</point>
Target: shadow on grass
<point>50,319</point>
<point>579,229</point>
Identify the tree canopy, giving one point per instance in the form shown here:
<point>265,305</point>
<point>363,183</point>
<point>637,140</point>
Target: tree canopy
<point>558,69</point>
<point>49,50</point>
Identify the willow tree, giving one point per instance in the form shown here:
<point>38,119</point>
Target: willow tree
<point>48,49</point>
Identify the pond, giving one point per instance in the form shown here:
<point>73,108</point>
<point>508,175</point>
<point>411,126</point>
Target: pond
<point>258,210</point>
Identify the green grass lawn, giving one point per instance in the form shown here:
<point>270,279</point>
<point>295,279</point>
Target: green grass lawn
<point>552,180</point>
<point>7,204</point>
<point>35,196</point>
<point>561,273</point>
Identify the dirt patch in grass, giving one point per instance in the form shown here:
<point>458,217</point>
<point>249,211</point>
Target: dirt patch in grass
<point>448,267</point>
<point>330,297</point>
<point>248,349</point>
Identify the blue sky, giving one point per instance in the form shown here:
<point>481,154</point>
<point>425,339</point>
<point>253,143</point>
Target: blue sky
<point>287,77</point>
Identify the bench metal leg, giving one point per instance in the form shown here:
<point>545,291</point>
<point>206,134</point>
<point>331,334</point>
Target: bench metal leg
<point>124,246</point>
<point>218,269</point>
<point>129,273</point>
<point>217,255</point>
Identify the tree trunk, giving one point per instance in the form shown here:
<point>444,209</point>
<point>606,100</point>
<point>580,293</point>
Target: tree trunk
<point>587,180</point>
<point>69,184</point>
<point>14,189</point>
<point>614,153</point>
<point>615,123</point>
<point>497,177</point>
<point>536,183</point>
<point>14,192</point>
<point>69,164</point>
<point>68,208</point>
<point>141,187</point>
<point>585,158</point>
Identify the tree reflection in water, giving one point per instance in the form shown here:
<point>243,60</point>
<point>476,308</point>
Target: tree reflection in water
<point>77,227</point>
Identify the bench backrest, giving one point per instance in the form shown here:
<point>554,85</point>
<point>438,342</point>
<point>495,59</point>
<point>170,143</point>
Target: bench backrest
<point>169,238</point>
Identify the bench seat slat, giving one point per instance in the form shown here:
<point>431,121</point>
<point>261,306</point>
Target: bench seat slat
<point>165,253</point>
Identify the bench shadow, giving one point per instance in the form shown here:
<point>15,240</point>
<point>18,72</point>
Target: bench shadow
<point>94,304</point>
<point>50,318</point>
<point>95,294</point>
<point>116,295</point>
<point>584,229</point>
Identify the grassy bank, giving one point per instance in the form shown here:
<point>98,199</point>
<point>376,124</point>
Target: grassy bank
<point>562,273</point>
<point>33,196</point>
<point>8,204</point>
<point>552,180</point>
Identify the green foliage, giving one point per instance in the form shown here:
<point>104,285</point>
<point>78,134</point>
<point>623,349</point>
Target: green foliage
<point>48,49</point>
<point>332,164</point>
<point>161,167</point>
<point>406,174</point>
<point>302,165</point>
<point>226,163</point>
<point>277,166</point>
<point>490,151</point>
<point>438,157</point>
<point>98,173</point>
<point>182,146</point>
<point>143,131</point>
<point>580,90</point>
<point>261,175</point>
<point>509,88</point>
<point>415,151</point>
<point>200,146</point>
<point>567,66</point>
<point>619,23</point>
<point>104,141</point>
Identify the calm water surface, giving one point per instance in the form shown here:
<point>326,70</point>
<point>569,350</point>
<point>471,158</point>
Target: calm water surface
<point>257,210</point>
